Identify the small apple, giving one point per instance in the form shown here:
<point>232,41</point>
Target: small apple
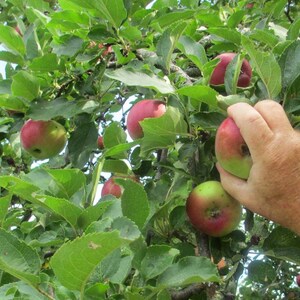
<point>100,142</point>
<point>249,5</point>
<point>107,49</point>
<point>298,279</point>
<point>232,152</point>
<point>143,109</point>
<point>110,187</point>
<point>43,139</point>
<point>218,74</point>
<point>212,210</point>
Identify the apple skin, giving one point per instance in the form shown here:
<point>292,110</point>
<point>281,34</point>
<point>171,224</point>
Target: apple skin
<point>212,210</point>
<point>110,187</point>
<point>218,74</point>
<point>298,280</point>
<point>147,108</point>
<point>231,150</point>
<point>43,139</point>
<point>100,142</point>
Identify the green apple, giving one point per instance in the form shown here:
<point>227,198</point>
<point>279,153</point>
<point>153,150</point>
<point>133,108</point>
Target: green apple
<point>212,210</point>
<point>231,149</point>
<point>143,109</point>
<point>43,139</point>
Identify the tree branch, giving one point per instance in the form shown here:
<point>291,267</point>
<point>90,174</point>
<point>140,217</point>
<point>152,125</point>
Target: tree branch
<point>189,291</point>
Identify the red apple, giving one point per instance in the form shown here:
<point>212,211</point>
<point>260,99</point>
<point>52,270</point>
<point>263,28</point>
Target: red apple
<point>143,109</point>
<point>218,74</point>
<point>100,142</point>
<point>110,187</point>
<point>43,139</point>
<point>231,150</point>
<point>249,5</point>
<point>298,280</point>
<point>212,210</point>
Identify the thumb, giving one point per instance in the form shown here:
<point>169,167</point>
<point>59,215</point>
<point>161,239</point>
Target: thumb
<point>233,185</point>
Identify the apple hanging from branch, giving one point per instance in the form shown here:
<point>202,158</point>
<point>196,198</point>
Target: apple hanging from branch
<point>218,75</point>
<point>231,150</point>
<point>110,187</point>
<point>43,139</point>
<point>147,108</point>
<point>212,210</point>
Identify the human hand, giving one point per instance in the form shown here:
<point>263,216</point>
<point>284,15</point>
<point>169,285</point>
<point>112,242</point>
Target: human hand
<point>273,187</point>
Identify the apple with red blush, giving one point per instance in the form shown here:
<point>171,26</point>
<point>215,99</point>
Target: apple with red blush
<point>218,74</point>
<point>147,108</point>
<point>231,150</point>
<point>43,139</point>
<point>100,143</point>
<point>110,187</point>
<point>212,210</point>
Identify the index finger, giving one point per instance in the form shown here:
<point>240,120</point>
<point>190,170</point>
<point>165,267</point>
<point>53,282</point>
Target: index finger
<point>254,129</point>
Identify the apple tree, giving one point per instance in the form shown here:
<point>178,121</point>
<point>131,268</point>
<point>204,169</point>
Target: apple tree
<point>83,65</point>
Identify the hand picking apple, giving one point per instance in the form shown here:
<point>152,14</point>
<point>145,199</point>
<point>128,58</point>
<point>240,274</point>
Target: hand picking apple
<point>273,186</point>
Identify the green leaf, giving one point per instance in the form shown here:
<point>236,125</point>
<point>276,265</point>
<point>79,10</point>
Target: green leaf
<point>112,10</point>
<point>67,45</point>
<point>262,272</point>
<point>167,43</point>
<point>12,40</point>
<point>173,17</point>
<point>290,65</point>
<point>134,202</point>
<point>232,73</point>
<point>95,180</point>
<point>283,244</point>
<point>61,207</point>
<point>4,206</point>
<point>25,85</point>
<point>12,103</point>
<point>116,166</point>
<point>116,267</point>
<point>60,107</point>
<point>157,259</point>
<point>92,213</point>
<point>207,120</point>
<point>230,35</point>
<point>162,132</point>
<point>293,32</point>
<point>45,63</point>
<point>265,36</point>
<point>116,150</point>
<point>63,183</point>
<point>267,68</point>
<point>200,93</point>
<point>11,58</point>
<point>137,78</point>
<point>188,270</point>
<point>75,261</point>
<point>127,228</point>
<point>234,20</point>
<point>114,135</point>
<point>193,50</point>
<point>82,142</point>
<point>19,259</point>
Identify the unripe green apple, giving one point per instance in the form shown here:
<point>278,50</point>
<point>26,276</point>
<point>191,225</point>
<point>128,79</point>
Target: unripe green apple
<point>143,109</point>
<point>110,187</point>
<point>218,74</point>
<point>231,149</point>
<point>212,210</point>
<point>43,139</point>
